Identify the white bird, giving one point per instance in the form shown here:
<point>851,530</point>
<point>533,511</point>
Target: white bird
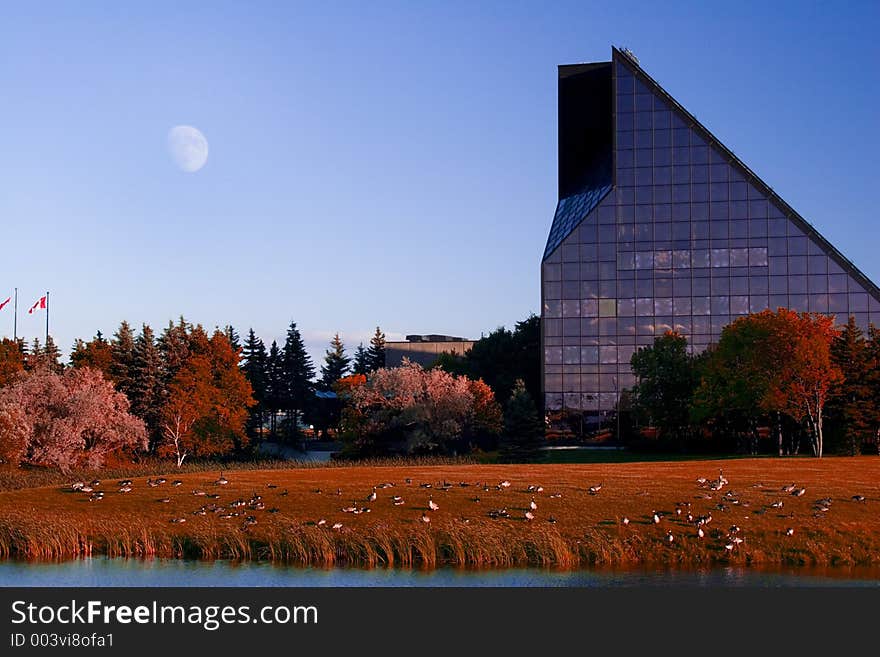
<point>372,496</point>
<point>222,481</point>
<point>77,485</point>
<point>669,537</point>
<point>337,526</point>
<point>125,489</point>
<point>625,521</point>
<point>799,492</point>
<point>700,532</point>
<point>530,516</point>
<point>505,484</point>
<point>656,518</point>
<point>595,489</point>
<point>532,505</point>
<point>789,531</point>
<point>425,518</point>
<point>321,522</point>
<point>178,520</point>
<point>433,505</point>
<point>776,505</point>
<point>397,500</point>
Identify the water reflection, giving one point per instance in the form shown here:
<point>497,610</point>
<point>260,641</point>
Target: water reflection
<point>173,572</point>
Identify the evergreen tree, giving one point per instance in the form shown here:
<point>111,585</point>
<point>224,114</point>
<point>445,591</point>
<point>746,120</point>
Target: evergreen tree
<point>122,348</point>
<point>335,363</point>
<point>146,392</point>
<point>523,432</point>
<point>275,390</point>
<point>95,354</point>
<point>298,372</point>
<point>361,366</point>
<point>872,367</point>
<point>174,344</point>
<point>254,368</point>
<point>232,335</point>
<point>33,355</point>
<point>51,354</point>
<point>376,352</point>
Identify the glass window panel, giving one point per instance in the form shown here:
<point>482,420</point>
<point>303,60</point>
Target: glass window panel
<point>797,284</point>
<point>589,307</point>
<point>701,324</point>
<point>553,356</point>
<point>663,306</point>
<point>837,303</point>
<point>626,307</point>
<point>718,210</point>
<point>758,302</point>
<point>700,193</point>
<point>552,308</point>
<point>720,258</point>
<point>797,265</point>
<point>662,138</point>
<point>571,308</point>
<point>799,302</point>
<point>819,303</point>
<point>759,285</point>
<point>608,270</point>
<point>818,283</point>
<point>682,306</point>
<point>818,264</point>
<point>858,302</point>
<point>681,287</point>
<point>589,355</point>
<point>758,256</point>
<point>625,138</point>
<point>644,260</point>
<point>645,287</point>
<point>739,257</point>
<point>607,289</point>
<point>701,305</point>
<point>739,305</point>
<point>662,287</point>
<point>700,258</point>
<point>644,307</point>
<point>644,139</point>
<point>739,285</point>
<point>720,305</point>
<point>720,285</point>
<point>681,155</point>
<point>777,227</point>
<point>626,289</point>
<point>797,246</point>
<point>837,283</point>
<point>701,287</point>
<point>778,301</point>
<point>607,307</point>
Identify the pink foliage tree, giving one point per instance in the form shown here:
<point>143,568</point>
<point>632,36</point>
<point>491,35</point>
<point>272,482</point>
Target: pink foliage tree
<point>74,419</point>
<point>419,410</point>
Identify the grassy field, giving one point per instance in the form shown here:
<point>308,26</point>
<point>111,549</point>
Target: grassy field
<point>277,514</point>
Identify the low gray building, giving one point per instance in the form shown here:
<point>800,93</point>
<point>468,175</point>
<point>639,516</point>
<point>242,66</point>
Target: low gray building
<point>424,349</point>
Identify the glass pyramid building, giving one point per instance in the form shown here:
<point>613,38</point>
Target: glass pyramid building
<point>660,227</point>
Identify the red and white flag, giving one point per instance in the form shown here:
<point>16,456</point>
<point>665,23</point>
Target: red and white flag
<point>5,302</point>
<point>41,304</point>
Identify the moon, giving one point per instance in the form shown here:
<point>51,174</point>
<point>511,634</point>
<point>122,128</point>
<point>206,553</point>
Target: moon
<point>188,148</point>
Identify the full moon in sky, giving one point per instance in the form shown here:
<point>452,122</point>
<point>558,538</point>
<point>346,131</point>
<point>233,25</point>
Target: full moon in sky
<point>188,148</point>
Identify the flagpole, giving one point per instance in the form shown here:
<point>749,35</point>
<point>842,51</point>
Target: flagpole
<point>47,320</point>
<point>15,317</point>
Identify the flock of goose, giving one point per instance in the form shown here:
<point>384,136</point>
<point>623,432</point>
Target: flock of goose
<point>685,520</point>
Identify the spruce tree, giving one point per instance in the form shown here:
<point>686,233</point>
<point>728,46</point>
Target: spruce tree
<point>122,349</point>
<point>376,352</point>
<point>232,335</point>
<point>523,432</point>
<point>361,366</point>
<point>275,393</point>
<point>335,363</point>
<point>146,390</point>
<point>254,368</point>
<point>51,354</point>
<point>298,372</point>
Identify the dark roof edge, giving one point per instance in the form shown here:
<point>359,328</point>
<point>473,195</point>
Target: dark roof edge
<point>752,177</point>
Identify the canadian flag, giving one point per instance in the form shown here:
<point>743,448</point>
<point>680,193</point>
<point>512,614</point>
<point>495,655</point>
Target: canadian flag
<point>39,304</point>
<point>5,302</point>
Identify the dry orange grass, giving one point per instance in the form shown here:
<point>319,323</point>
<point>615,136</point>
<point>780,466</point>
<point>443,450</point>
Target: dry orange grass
<point>51,522</point>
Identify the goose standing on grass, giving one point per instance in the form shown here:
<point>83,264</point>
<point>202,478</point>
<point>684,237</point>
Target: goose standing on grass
<point>789,531</point>
<point>669,537</point>
<point>700,532</point>
<point>533,506</point>
<point>425,518</point>
<point>372,496</point>
<point>433,505</point>
<point>530,516</point>
<point>625,521</point>
<point>594,490</point>
<point>799,492</point>
<point>858,498</point>
<point>222,481</point>
<point>337,526</point>
<point>656,518</point>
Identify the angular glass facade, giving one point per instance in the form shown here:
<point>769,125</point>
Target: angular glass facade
<point>684,238</point>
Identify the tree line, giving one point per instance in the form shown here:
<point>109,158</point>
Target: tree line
<point>777,377</point>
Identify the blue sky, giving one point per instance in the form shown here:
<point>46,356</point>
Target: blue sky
<point>388,163</point>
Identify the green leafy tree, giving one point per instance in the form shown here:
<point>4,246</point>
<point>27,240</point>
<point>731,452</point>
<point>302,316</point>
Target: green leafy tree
<point>523,433</point>
<point>335,363</point>
<point>667,378</point>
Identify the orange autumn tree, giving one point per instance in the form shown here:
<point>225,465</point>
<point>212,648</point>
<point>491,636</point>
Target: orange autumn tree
<point>95,353</point>
<point>11,361</point>
<point>773,362</point>
<point>206,407</point>
<point>805,370</point>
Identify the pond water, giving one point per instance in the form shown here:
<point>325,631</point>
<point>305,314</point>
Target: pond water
<point>174,572</point>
